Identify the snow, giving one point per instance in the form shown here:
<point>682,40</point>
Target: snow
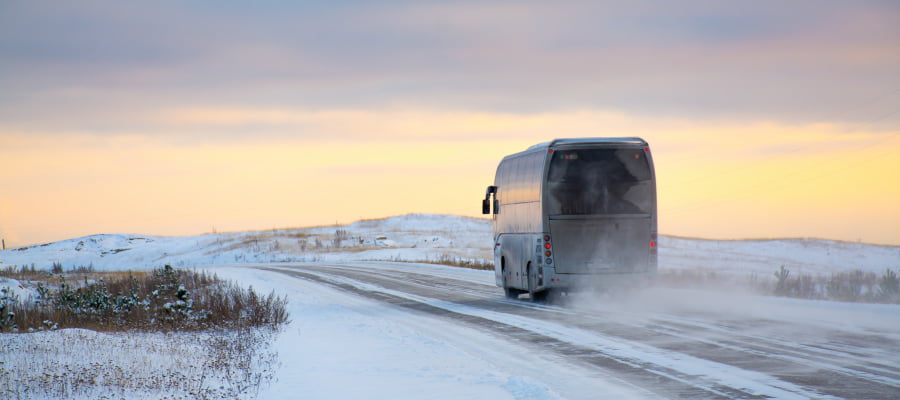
<point>810,256</point>
<point>339,345</point>
<point>41,364</point>
<point>413,237</point>
<point>343,346</point>
<point>429,237</point>
<point>13,286</point>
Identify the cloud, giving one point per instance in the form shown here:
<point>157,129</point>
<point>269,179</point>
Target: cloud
<point>802,63</point>
<point>173,93</point>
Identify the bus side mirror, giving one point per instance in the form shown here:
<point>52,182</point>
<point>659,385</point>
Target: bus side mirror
<point>486,203</point>
<point>496,206</point>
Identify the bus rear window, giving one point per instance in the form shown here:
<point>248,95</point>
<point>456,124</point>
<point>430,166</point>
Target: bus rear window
<point>599,181</point>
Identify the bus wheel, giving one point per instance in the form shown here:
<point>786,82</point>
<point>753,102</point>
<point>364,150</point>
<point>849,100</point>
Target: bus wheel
<point>508,291</point>
<point>535,296</point>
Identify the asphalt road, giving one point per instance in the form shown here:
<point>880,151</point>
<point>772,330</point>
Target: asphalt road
<point>674,346</point>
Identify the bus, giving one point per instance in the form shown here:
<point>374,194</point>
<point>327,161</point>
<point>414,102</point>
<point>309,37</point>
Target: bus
<point>572,215</point>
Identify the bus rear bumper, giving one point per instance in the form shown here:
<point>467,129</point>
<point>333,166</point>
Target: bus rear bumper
<point>600,282</point>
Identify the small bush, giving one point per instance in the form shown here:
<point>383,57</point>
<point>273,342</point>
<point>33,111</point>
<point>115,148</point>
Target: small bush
<point>340,236</point>
<point>889,287</point>
<point>782,287</point>
<point>57,268</point>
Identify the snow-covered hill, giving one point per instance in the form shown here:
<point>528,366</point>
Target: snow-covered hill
<point>413,237</point>
<point>427,237</point>
<point>808,256</point>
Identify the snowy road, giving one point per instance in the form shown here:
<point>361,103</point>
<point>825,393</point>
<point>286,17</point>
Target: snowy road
<point>417,331</point>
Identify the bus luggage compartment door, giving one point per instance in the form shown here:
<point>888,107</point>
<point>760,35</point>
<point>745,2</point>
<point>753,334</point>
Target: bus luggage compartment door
<point>608,244</point>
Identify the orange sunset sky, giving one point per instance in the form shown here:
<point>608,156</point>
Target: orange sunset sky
<point>766,120</point>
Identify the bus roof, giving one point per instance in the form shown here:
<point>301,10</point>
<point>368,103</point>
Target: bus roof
<point>588,141</point>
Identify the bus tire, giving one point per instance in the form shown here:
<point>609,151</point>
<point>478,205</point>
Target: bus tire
<point>535,296</point>
<point>509,292</point>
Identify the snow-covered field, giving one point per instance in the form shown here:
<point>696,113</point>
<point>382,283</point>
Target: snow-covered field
<point>414,331</point>
<point>414,237</point>
<point>426,237</point>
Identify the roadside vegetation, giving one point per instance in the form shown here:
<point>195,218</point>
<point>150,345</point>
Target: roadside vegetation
<point>449,260</point>
<point>462,262</point>
<point>849,286</point>
<point>166,333</point>
<point>165,299</point>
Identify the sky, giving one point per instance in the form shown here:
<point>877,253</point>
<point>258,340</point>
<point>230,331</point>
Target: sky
<point>766,119</point>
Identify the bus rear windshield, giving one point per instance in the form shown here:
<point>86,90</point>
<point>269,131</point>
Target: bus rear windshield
<point>599,181</point>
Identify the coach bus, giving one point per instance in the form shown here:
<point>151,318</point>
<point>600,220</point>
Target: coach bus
<point>574,214</point>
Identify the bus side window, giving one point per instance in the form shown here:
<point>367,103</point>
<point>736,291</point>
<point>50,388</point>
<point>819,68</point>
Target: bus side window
<point>502,182</point>
<point>517,183</point>
<point>534,177</point>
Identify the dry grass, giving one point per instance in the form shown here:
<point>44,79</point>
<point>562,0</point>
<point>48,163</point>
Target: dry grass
<point>165,299</point>
<point>358,249</point>
<point>81,364</point>
<point>452,261</point>
<point>48,278</point>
